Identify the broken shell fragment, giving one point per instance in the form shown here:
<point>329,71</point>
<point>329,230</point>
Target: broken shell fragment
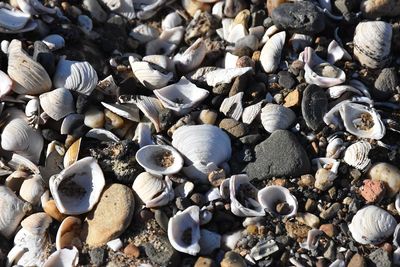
<point>32,189</point>
<point>63,258</point>
<point>68,234</point>
<point>192,57</point>
<point>278,200</point>
<point>13,19</point>
<point>232,106</point>
<point>150,75</point>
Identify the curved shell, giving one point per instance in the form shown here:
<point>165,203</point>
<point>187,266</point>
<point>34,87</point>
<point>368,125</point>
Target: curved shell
<point>372,43</point>
<point>19,137</point>
<point>144,33</point>
<point>123,7</point>
<point>356,155</point>
<point>77,188</point>
<point>162,61</point>
<point>270,56</point>
<point>251,112</point>
<point>13,19</point>
<point>32,189</point>
<point>150,75</point>
<point>6,84</point>
<point>152,190</point>
<point>192,57</point>
<point>28,75</point>
<point>336,52</point>
<point>372,225</point>
<point>37,223</point>
<point>127,111</point>
<point>159,159</point>
<point>72,154</point>
<point>184,230</point>
<point>338,90</point>
<point>171,20</point>
<point>76,76</point>
<point>71,122</point>
<point>270,196</point>
<point>276,117</point>
<point>68,234</point>
<point>57,103</point>
<point>63,258</point>
<point>219,76</point>
<point>335,148</point>
<point>54,41</point>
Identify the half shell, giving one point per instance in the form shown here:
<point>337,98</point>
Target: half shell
<point>356,155</point>
<point>276,117</point>
<point>13,19</point>
<point>68,234</point>
<point>150,75</point>
<point>192,57</point>
<point>63,258</point>
<point>271,196</point>
<point>57,103</point>
<point>270,56</point>
<point>32,189</point>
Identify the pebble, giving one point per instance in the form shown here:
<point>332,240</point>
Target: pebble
<point>373,191</point>
<point>310,205</point>
<point>373,9</point>
<point>330,252</point>
<point>245,61</point>
<point>329,229</point>
<point>233,259</point>
<point>330,212</point>
<point>306,180</point>
<point>357,261</point>
<point>295,230</point>
<point>387,173</point>
<point>198,199</point>
<point>314,105</point>
<point>299,17</point>
<point>182,203</point>
<point>322,179</point>
<point>216,177</point>
<point>111,216</point>
<point>233,127</point>
<point>205,262</point>
<point>279,155</point>
<point>207,116</point>
<point>43,55</point>
<point>94,118</point>
<point>97,256</point>
<point>162,219</point>
<point>165,255</point>
<point>386,83</point>
<point>308,219</point>
<point>249,41</point>
<point>132,251</point>
<point>293,99</point>
<point>380,258</point>
<point>286,79</point>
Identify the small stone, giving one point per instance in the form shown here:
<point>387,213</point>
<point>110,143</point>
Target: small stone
<point>97,256</point>
<point>283,208</point>
<point>256,56</point>
<point>239,84</point>
<point>322,262</point>
<point>330,212</point>
<point>221,89</point>
<point>310,205</point>
<point>308,219</point>
<point>252,229</point>
<point>357,261</point>
<point>286,79</point>
<point>232,8</point>
<point>314,105</point>
<point>306,180</point>
<point>113,119</point>
<point>216,177</point>
<point>163,253</point>
<point>329,229</point>
<point>207,116</point>
<point>385,84</point>
<point>233,127</point>
<point>386,8</point>
<point>132,251</point>
<point>330,252</point>
<point>322,179</point>
<point>380,258</point>
<point>198,199</point>
<point>245,61</point>
<point>373,191</point>
<point>162,219</point>
<point>94,118</point>
<point>293,99</point>
<point>249,41</point>
<point>205,262</point>
<point>295,230</point>
<point>233,259</point>
<point>182,203</point>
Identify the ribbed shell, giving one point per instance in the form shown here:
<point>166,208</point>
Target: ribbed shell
<point>356,155</point>
<point>57,103</point>
<point>276,117</point>
<point>150,75</point>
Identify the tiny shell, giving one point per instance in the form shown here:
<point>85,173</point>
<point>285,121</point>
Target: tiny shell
<point>271,53</point>
<point>356,155</point>
<point>276,117</point>
<point>270,196</point>
<point>335,148</point>
<point>336,53</point>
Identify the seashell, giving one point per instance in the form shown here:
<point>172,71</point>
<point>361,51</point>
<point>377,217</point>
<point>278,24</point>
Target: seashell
<point>192,57</point>
<point>243,196</point>
<point>102,135</point>
<point>13,19</point>
<point>171,20</point>
<point>17,136</point>
<point>218,9</point>
<point>77,188</point>
<point>319,72</point>
<point>232,106</point>
<point>300,41</point>
<point>143,134</point>
<point>49,206</point>
<point>108,86</point>
<point>160,47</point>
<point>115,244</point>
<point>32,108</point>
<point>360,86</point>
<point>123,7</point>
<point>94,118</point>
<point>372,225</point>
<point>150,75</point>
<point>251,112</point>
<point>126,111</point>
<point>32,189</point>
<point>15,180</point>
<point>270,56</point>
<point>149,10</point>
<point>71,122</point>
<point>85,23</point>
<point>275,117</point>
<point>230,61</point>
<point>201,145</point>
<point>199,76</point>
<point>13,210</point>
<point>144,33</point>
<point>271,196</point>
<point>387,173</point>
<point>18,161</point>
<point>152,190</point>
<point>159,159</point>
<point>181,97</point>
<point>372,43</point>
<point>312,240</point>
<point>336,53</point>
<point>63,258</point>
<point>68,234</point>
<point>37,223</point>
<point>34,7</point>
<point>54,41</point>
<point>184,189</point>
<point>77,76</point>
<point>235,33</point>
<point>358,118</point>
<point>335,148</point>
<point>219,76</point>
<point>71,156</point>
<point>356,155</point>
<point>173,36</point>
<point>29,76</point>
<point>6,84</point>
<point>336,91</point>
<point>162,61</point>
<point>184,230</point>
<point>57,103</point>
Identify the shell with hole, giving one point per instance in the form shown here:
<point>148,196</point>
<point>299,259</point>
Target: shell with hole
<point>77,188</point>
<point>184,230</point>
<point>57,103</point>
<point>192,57</point>
<point>270,56</point>
<point>153,191</point>
<point>159,159</point>
<point>276,117</point>
<point>28,75</point>
<point>278,201</point>
<point>150,75</point>
<point>201,145</point>
<point>356,155</point>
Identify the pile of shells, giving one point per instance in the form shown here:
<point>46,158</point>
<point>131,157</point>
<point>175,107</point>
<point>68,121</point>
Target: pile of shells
<point>199,133</point>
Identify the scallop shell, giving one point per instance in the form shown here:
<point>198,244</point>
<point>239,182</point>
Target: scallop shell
<point>232,106</point>
<point>77,76</point>
<point>192,57</point>
<point>159,159</point>
<point>63,258</point>
<point>270,196</point>
<point>181,97</point>
<point>201,145</point>
<point>13,19</point>
<point>68,234</point>
<point>77,188</point>
<point>32,189</point>
<point>372,225</point>
<point>29,76</point>
<point>220,76</point>
<point>372,43</point>
<point>356,155</point>
<point>270,56</point>
<point>152,190</point>
<point>276,117</point>
<point>184,230</point>
<point>150,75</point>
<point>336,53</point>
<point>57,103</point>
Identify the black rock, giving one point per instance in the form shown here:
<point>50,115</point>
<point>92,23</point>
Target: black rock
<point>279,155</point>
<point>299,17</point>
<point>314,105</point>
<point>286,79</point>
<point>257,18</point>
<point>43,55</point>
<point>385,84</point>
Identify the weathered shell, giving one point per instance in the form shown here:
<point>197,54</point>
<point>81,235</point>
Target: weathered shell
<point>338,90</point>
<point>336,52</point>
<point>150,75</point>
<point>32,189</point>
<point>144,33</point>
<point>232,106</point>
<point>173,35</point>
<point>162,61</point>
<point>57,103</point>
<point>68,233</point>
<point>312,239</point>
<point>6,84</point>
<point>184,230</point>
<point>372,43</point>
<point>34,7</point>
<point>71,122</point>
<point>28,75</point>
<point>127,111</point>
<point>54,41</point>
<point>171,20</point>
<point>270,196</point>
<point>63,258</point>
<point>276,117</point>
<point>143,134</point>
<point>387,173</point>
<point>102,135</point>
<point>251,112</point>
<point>270,56</point>
<point>219,76</point>
<point>77,188</point>
<point>37,223</point>
<point>123,7</point>
<point>77,76</point>
<point>356,155</point>
<point>72,154</point>
<point>335,148</point>
<point>13,19</point>
<point>372,225</point>
<point>161,47</point>
<point>192,57</point>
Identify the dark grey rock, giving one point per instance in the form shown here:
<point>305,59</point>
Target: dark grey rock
<point>280,155</point>
<point>43,55</point>
<point>314,105</point>
<point>299,17</point>
<point>97,256</point>
<point>286,79</point>
<point>385,84</point>
<point>164,254</point>
<point>251,139</point>
<point>162,219</point>
<point>249,41</point>
<point>330,252</point>
<point>233,7</point>
<point>257,18</point>
<point>182,203</point>
<point>379,258</point>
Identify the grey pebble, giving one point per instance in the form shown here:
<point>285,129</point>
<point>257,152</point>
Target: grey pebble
<point>385,85</point>
<point>330,212</point>
<point>97,256</point>
<point>314,105</point>
<point>379,258</point>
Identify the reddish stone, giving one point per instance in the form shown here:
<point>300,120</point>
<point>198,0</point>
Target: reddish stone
<point>373,191</point>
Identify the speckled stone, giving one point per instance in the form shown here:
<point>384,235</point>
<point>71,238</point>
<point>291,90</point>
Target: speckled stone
<point>233,259</point>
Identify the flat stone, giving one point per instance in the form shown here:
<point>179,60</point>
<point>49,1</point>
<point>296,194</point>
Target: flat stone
<point>330,252</point>
<point>314,105</point>
<point>97,256</point>
<point>380,258</point>
<point>357,261</point>
<point>286,79</point>
<point>110,217</point>
<point>384,8</point>
<point>233,259</point>
<point>293,99</point>
<point>279,155</point>
<point>308,219</point>
<point>386,83</point>
<point>299,17</point>
<point>233,127</point>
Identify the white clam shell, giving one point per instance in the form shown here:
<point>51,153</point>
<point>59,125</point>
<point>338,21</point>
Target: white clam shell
<point>184,230</point>
<point>372,43</point>
<point>230,60</point>
<point>102,135</point>
<point>192,57</point>
<point>275,117</point>
<point>150,75</point>
<point>6,84</point>
<point>336,91</point>
<point>28,75</point>
<point>173,35</point>
<point>152,190</point>
<point>37,223</point>
<point>171,20</point>
<point>77,188</point>
<point>127,111</point>
<point>372,225</point>
<point>335,148</point>
<point>57,103</point>
<point>162,61</point>
<point>181,97</point>
<point>77,76</point>
<point>144,33</point>
<point>32,189</point>
<point>356,155</point>
<point>219,76</point>
<point>271,52</point>
<point>160,46</point>
<point>13,19</point>
<point>209,241</point>
<point>71,122</point>
<point>251,112</point>
<point>63,258</point>
<point>312,239</point>
<point>68,233</point>
<point>270,196</point>
<point>143,134</point>
<point>149,158</point>
<point>54,41</point>
<point>336,52</point>
<point>32,107</point>
<point>232,106</point>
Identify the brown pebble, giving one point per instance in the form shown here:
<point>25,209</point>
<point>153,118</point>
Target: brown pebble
<point>310,205</point>
<point>306,180</point>
<point>216,177</point>
<point>252,229</point>
<point>205,262</point>
<point>113,119</point>
<point>283,208</point>
<point>373,191</point>
<point>272,4</point>
<point>245,61</point>
<point>256,56</point>
<point>387,247</point>
<point>207,116</point>
<point>293,99</point>
<point>357,261</point>
<point>132,251</point>
<point>234,127</point>
<point>280,182</point>
<point>329,229</point>
<point>295,230</point>
<point>233,259</point>
<point>198,199</point>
